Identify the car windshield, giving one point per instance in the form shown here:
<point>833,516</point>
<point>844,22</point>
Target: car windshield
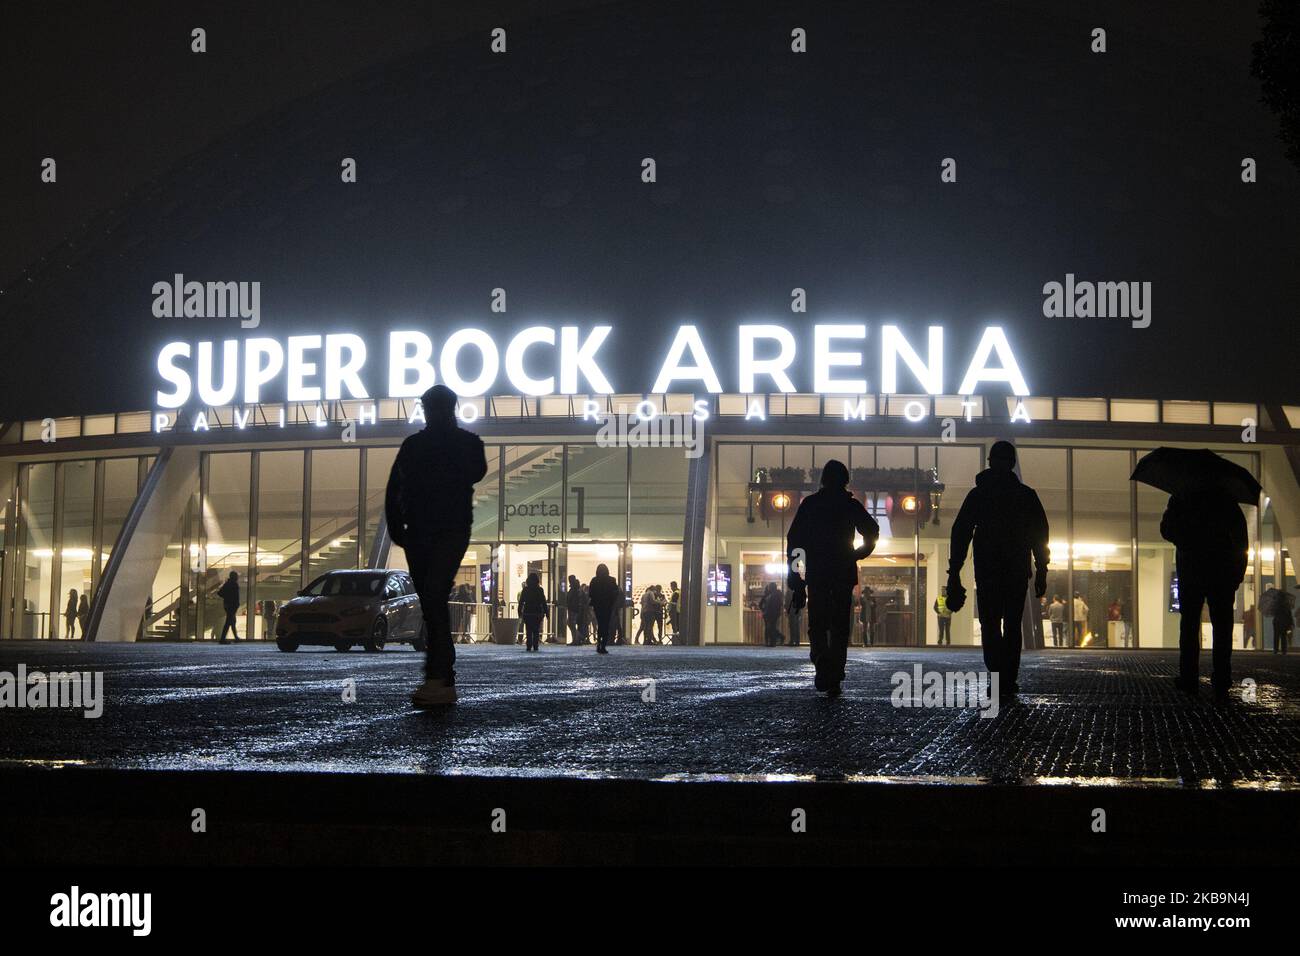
<point>345,585</point>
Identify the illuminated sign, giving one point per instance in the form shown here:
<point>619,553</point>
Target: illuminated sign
<point>565,360</point>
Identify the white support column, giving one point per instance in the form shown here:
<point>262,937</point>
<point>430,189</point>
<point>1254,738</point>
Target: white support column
<point>135,561</point>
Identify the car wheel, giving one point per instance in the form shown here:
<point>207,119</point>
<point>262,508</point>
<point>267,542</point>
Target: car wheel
<point>418,642</point>
<point>287,646</point>
<point>378,634</point>
<point>343,646</point>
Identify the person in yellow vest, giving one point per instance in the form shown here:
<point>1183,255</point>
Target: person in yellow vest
<point>945,617</point>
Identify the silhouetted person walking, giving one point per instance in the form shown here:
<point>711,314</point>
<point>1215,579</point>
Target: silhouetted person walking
<point>771,606</point>
<point>83,613</point>
<point>793,616</point>
<point>606,601</point>
<point>229,594</point>
<point>1209,532</point>
<point>824,562</point>
<point>1056,614</point>
<point>585,617</point>
<point>429,507</point>
<point>573,608</point>
<point>268,619</point>
<point>1009,526</point>
<point>646,629</point>
<point>532,608</point>
<point>70,614</point>
<point>1283,623</point>
<point>674,608</point>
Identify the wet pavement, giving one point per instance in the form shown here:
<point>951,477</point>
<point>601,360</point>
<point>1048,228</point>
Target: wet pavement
<point>1084,718</point>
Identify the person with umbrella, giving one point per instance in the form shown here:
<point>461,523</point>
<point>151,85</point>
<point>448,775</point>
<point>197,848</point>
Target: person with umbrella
<point>1208,531</point>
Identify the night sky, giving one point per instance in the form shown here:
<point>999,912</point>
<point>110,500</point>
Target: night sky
<point>775,170</point>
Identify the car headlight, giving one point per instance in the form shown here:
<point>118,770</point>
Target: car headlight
<point>353,611</point>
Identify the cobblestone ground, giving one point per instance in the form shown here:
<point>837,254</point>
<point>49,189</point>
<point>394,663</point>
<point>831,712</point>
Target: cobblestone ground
<point>1083,717</point>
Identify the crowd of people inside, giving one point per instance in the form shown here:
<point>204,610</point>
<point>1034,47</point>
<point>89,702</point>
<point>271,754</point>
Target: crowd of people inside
<point>575,617</point>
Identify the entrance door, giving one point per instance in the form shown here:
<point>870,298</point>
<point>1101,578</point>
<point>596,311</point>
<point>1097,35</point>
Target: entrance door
<point>518,560</point>
<point>655,566</point>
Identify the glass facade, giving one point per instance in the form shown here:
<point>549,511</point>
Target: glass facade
<point>67,518</point>
<point>279,517</point>
<point>1111,573</point>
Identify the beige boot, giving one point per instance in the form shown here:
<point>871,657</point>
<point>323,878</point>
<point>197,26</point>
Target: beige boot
<point>434,693</point>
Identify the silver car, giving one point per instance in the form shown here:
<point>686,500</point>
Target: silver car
<point>343,608</point>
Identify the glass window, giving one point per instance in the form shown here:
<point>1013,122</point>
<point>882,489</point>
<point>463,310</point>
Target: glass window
<point>98,425</point>
<point>1157,621</point>
<point>597,493</point>
<point>120,476</point>
<point>487,499</point>
<point>37,566</point>
<point>379,464</point>
<point>1128,410</point>
<point>171,610</point>
<point>1227,413</point>
<point>1044,470</point>
<point>534,493</point>
<point>1081,409</point>
<point>885,608</point>
<point>1038,409</point>
<point>77,554</point>
<point>1186,413</point>
<point>1248,593</point>
<point>128,422</point>
<point>658,493</point>
<point>279,530</point>
<point>335,475</point>
<point>224,538</point>
<point>951,470</point>
<point>1103,581</point>
<point>333,584</point>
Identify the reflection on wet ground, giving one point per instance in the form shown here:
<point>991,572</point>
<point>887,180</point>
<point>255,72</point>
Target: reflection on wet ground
<point>1093,718</point>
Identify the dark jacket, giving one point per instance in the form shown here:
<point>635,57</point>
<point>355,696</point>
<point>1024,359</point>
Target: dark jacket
<point>1210,535</point>
<point>532,601</point>
<point>229,594</point>
<point>605,595</point>
<point>431,487</point>
<point>823,528</point>
<point>573,598</point>
<point>1009,526</point>
<point>772,605</point>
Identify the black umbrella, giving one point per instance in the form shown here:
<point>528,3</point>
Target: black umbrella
<point>1184,472</point>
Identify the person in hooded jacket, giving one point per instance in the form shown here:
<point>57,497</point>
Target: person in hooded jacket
<point>1009,526</point>
<point>429,508</point>
<point>824,569</point>
<point>1208,532</point>
<point>606,601</point>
